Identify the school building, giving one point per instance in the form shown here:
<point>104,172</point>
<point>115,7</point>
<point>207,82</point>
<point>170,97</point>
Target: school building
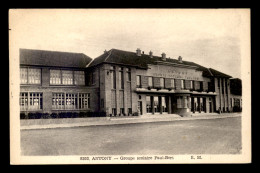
<point>119,83</point>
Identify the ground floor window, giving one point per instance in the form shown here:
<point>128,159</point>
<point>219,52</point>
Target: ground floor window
<point>198,104</point>
<point>156,104</point>
<point>70,101</point>
<point>164,105</point>
<point>30,101</point>
<point>148,104</point>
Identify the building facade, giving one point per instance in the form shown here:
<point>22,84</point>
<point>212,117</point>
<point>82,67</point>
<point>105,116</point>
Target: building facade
<point>236,94</point>
<point>120,83</point>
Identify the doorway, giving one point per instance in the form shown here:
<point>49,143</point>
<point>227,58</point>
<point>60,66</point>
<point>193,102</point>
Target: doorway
<point>140,108</point>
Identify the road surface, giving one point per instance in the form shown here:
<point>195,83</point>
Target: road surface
<point>211,136</point>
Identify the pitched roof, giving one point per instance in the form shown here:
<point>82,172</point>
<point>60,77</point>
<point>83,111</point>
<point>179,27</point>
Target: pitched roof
<point>218,73</point>
<point>130,58</point>
<point>53,58</point>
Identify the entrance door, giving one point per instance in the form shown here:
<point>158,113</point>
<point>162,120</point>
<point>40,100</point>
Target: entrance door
<point>210,107</point>
<point>140,108</point>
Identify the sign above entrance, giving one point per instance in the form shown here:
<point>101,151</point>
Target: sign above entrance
<point>174,72</point>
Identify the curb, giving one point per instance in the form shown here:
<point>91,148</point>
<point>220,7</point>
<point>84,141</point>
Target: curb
<point>125,121</point>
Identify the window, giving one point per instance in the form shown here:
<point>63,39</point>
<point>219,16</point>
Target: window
<point>93,79</point>
<point>128,70</point>
<point>70,101</point>
<point>84,101</point>
<point>121,78</point>
<point>150,81</point>
<point>156,104</point>
<point>164,105</point>
<point>23,101</point>
<point>162,82</point>
<point>30,101</point>
<point>182,84</point>
<point>113,77</point>
<point>67,77</point>
<point>172,83</point>
<point>138,81</point>
<point>201,86</point>
<point>58,101</point>
<point>148,104</point>
<point>30,75</point>
<point>79,77</point>
<point>55,77</point>
<point>218,82</point>
<point>222,84</point>
<point>192,84</point>
<point>226,87</point>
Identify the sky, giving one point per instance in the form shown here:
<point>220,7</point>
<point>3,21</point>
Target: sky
<point>211,38</point>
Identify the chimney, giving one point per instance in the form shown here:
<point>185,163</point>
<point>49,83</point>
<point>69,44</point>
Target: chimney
<point>180,59</point>
<point>105,51</point>
<point>138,52</point>
<point>151,54</point>
<point>164,56</point>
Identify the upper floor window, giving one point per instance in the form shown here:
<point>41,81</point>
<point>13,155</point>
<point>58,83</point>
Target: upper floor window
<point>138,81</point>
<point>93,78</point>
<point>113,77</point>
<point>67,77</point>
<point>128,71</point>
<point>79,77</point>
<point>192,84</point>
<point>182,84</point>
<point>172,83</point>
<point>201,85</point>
<point>121,77</point>
<point>30,75</point>
<point>162,82</point>
<point>150,81</point>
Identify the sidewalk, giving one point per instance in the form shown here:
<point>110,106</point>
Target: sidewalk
<point>83,122</point>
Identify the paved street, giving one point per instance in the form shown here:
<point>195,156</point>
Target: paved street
<point>211,136</point>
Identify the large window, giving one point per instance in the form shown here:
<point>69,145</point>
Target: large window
<point>30,101</point>
<point>156,104</point>
<point>30,75</point>
<point>148,104</point>
<point>150,81</point>
<point>138,81</point>
<point>164,105</point>
<point>79,77</point>
<point>113,77</point>
<point>121,77</point>
<point>67,77</point>
<point>70,101</point>
<point>128,70</point>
